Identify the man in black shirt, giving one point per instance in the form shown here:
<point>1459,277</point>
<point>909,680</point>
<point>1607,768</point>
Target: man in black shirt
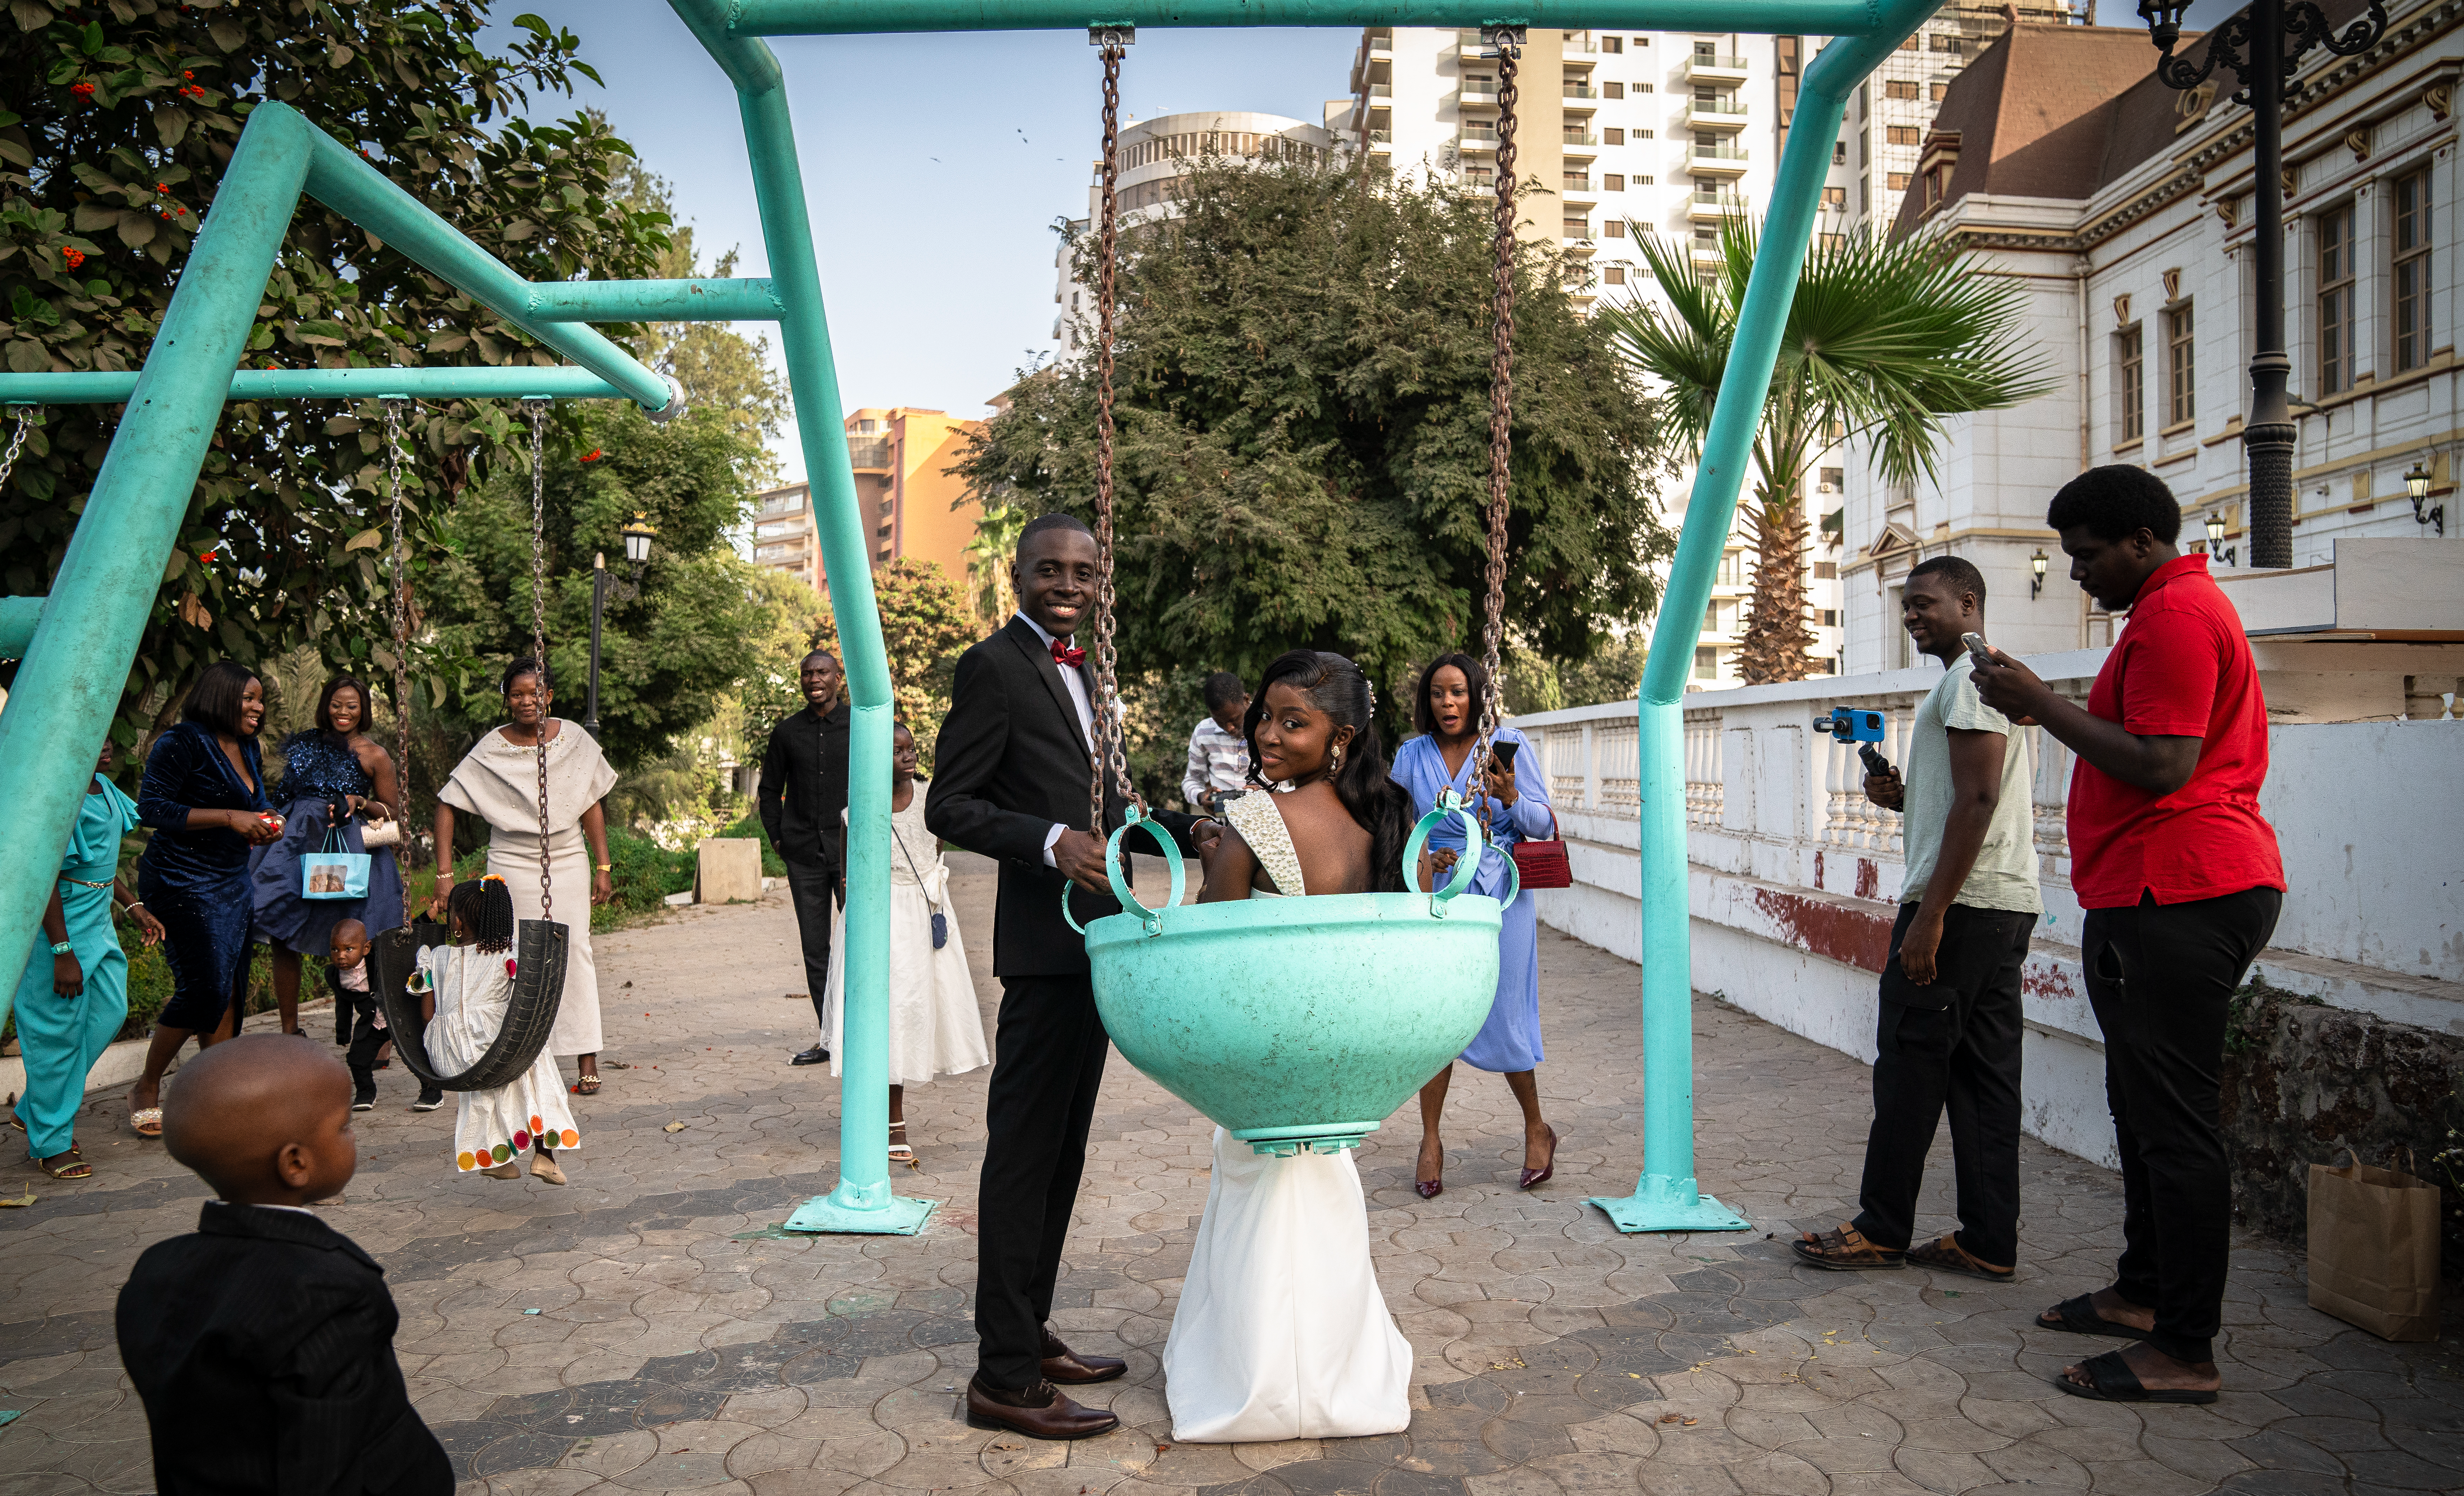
<point>803,804</point>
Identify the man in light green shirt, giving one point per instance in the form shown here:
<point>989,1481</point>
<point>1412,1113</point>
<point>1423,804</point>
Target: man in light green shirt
<point>1949,1031</point>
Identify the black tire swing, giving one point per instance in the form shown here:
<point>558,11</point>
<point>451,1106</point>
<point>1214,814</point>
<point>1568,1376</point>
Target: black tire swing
<point>540,945</point>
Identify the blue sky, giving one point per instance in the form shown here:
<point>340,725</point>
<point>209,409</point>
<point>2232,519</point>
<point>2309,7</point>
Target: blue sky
<point>935,165</point>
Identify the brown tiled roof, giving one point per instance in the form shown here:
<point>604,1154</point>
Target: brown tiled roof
<point>2053,111</point>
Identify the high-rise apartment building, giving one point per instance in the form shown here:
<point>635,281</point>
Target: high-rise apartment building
<point>1617,135</point>
<point>783,537</point>
<point>911,504</point>
<point>1154,156</point>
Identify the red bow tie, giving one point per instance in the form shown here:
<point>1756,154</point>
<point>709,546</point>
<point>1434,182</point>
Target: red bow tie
<point>1064,654</point>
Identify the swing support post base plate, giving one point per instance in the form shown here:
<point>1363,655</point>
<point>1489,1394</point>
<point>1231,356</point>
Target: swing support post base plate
<point>1661,1203</point>
<point>841,1213</point>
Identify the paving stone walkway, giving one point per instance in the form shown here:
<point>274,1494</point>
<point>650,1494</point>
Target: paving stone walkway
<point>644,1330</point>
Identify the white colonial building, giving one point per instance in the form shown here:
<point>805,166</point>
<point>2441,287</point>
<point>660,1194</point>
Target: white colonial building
<point>2060,158</point>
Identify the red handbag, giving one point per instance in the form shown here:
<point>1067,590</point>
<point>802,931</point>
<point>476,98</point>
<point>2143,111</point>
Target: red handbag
<point>1543,865</point>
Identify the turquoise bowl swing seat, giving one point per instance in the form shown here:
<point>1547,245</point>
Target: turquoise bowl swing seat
<point>1297,1024</point>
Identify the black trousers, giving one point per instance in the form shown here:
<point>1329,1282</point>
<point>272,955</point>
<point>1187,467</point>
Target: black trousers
<point>815,890</point>
<point>1047,1064</point>
<point>1962,1056</point>
<point>366,1038</point>
<point>2161,977</point>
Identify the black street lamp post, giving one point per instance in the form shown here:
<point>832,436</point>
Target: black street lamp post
<point>2281,31</point>
<point>637,550</point>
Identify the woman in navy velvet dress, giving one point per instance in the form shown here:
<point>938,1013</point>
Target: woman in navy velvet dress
<point>203,795</point>
<point>1446,710</point>
<point>332,770</point>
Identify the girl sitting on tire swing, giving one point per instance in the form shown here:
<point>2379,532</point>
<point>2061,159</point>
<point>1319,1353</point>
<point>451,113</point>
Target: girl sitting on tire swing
<point>472,983</point>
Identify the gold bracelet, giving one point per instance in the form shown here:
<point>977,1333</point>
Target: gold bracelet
<point>603,866</point>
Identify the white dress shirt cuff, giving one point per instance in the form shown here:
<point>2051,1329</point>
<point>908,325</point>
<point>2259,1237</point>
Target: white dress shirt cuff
<point>1051,837</point>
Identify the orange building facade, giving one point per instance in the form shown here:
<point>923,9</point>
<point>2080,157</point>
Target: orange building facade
<point>911,504</point>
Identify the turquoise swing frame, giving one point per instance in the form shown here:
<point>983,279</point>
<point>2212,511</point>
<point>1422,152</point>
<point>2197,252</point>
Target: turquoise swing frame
<point>78,643</point>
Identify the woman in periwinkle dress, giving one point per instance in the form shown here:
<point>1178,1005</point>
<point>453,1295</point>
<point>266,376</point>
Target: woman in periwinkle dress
<point>1445,708</point>
<point>336,775</point>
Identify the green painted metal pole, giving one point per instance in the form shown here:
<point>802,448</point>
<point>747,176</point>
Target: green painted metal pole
<point>711,300</point>
<point>19,617</point>
<point>1666,1197</point>
<point>446,383</point>
<point>341,180</point>
<point>66,693</point>
<point>863,1201</point>
<point>841,17</point>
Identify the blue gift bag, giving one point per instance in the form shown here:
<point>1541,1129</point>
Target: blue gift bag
<point>335,872</point>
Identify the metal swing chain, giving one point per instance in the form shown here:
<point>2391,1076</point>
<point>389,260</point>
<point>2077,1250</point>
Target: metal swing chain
<point>401,612</point>
<point>16,441</point>
<point>1110,749</point>
<point>1501,414</point>
<point>537,409</point>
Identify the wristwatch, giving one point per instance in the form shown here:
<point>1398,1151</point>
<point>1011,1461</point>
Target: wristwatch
<point>64,948</point>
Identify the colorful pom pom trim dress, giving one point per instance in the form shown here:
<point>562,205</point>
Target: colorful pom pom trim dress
<point>472,989</point>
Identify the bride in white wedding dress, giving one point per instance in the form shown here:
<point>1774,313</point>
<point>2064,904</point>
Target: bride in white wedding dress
<point>1282,1332</point>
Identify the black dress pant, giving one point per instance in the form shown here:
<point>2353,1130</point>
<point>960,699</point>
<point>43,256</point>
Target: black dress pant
<point>368,1037</point>
<point>1953,1046</point>
<point>815,890</point>
<point>1047,1064</point>
<point>2161,977</point>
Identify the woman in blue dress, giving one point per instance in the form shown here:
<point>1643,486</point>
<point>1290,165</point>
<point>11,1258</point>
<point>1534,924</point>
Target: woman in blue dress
<point>334,773</point>
<point>203,795</point>
<point>74,994</point>
<point>1446,709</point>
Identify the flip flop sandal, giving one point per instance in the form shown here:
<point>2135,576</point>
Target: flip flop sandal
<point>74,1169</point>
<point>1947,1255</point>
<point>1845,1250</point>
<point>2079,1317</point>
<point>146,1121</point>
<point>587,1086</point>
<point>2116,1382</point>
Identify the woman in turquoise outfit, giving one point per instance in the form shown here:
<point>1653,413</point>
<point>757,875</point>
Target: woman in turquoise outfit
<point>74,993</point>
<point>1446,710</point>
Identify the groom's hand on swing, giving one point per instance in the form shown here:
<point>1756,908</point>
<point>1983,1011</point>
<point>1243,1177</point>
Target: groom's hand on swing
<point>1080,857</point>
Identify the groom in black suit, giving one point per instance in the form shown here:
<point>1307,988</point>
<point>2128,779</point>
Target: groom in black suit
<point>1012,770</point>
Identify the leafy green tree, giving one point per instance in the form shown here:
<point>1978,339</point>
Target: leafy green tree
<point>116,124</point>
<point>1303,388</point>
<point>675,641</point>
<point>1884,340</point>
<point>720,369</point>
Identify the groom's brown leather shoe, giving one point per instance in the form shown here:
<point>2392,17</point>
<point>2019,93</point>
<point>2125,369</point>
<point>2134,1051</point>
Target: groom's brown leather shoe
<point>1061,1364</point>
<point>1038,1412</point>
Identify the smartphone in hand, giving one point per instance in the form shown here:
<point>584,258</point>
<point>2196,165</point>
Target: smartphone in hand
<point>1504,752</point>
<point>1976,649</point>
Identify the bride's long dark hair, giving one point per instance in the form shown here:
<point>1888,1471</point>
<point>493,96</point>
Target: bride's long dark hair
<point>1335,686</point>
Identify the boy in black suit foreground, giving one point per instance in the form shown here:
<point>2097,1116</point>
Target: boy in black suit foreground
<point>1012,771</point>
<point>263,1344</point>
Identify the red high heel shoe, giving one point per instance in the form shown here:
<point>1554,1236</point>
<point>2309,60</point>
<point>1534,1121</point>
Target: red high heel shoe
<point>1432,1188</point>
<point>1533,1178</point>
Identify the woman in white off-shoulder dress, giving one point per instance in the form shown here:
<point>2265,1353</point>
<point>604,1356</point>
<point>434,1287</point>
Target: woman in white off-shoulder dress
<point>1282,1332</point>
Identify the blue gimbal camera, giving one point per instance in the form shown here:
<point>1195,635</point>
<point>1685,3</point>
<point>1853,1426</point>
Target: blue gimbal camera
<point>1856,725</point>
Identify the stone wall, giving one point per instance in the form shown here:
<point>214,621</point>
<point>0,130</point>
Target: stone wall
<point>2303,1080</point>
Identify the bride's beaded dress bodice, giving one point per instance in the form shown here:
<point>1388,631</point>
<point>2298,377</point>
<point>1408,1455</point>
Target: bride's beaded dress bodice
<point>1261,826</point>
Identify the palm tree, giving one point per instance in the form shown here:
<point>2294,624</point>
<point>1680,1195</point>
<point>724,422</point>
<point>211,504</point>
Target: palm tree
<point>1884,340</point>
<point>988,558</point>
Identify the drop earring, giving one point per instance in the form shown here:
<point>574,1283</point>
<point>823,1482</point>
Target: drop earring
<point>1337,767</point>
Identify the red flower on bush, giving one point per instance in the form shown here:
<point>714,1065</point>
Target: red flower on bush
<point>82,89</point>
<point>594,454</point>
<point>208,556</point>
<point>73,257</point>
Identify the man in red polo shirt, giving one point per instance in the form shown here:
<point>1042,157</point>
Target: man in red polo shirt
<point>2179,876</point>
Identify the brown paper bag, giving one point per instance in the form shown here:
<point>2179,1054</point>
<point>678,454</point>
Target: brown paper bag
<point>2374,1249</point>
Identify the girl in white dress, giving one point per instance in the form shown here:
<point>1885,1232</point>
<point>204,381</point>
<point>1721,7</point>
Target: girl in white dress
<point>472,982</point>
<point>935,1026</point>
<point>1282,1332</point>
